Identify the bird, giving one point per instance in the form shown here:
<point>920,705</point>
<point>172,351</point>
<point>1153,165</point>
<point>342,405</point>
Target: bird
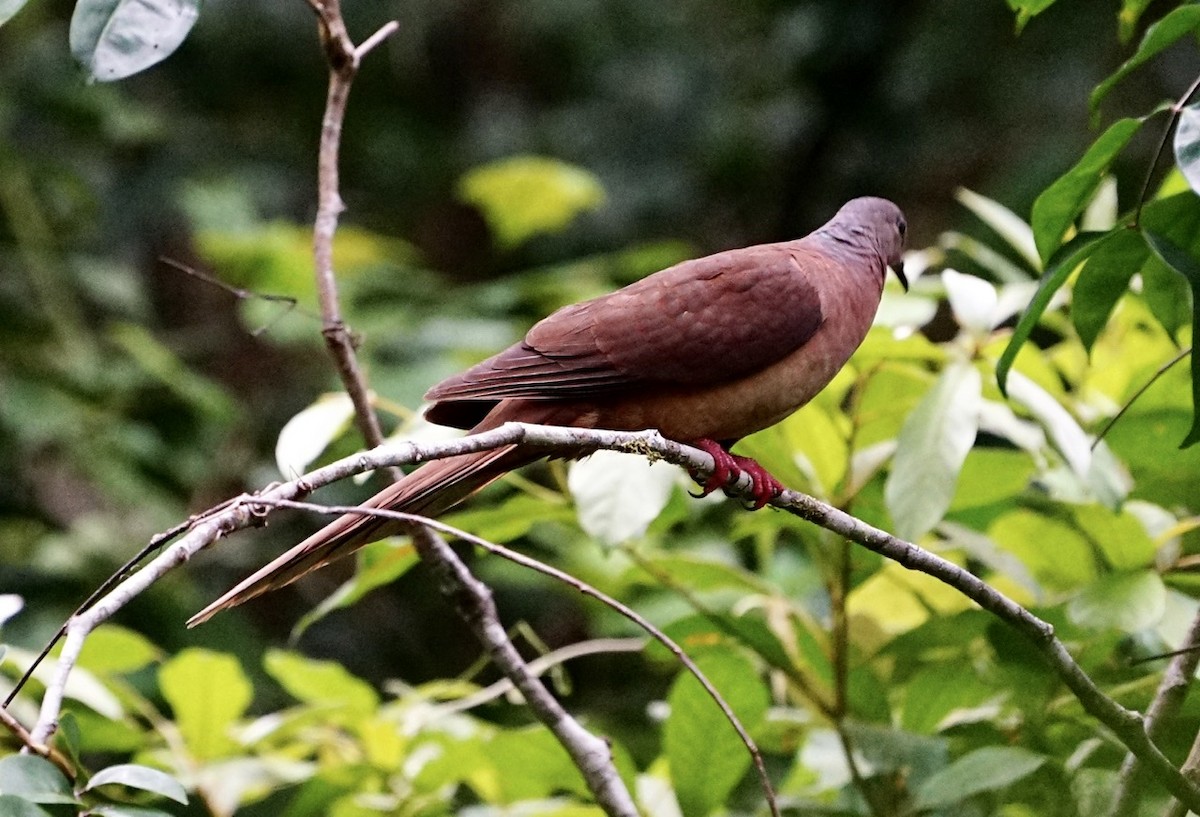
<point>706,352</point>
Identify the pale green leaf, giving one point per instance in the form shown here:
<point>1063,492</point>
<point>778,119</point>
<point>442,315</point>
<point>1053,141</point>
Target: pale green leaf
<point>618,495</point>
<point>8,8</point>
<point>1120,535</point>
<point>321,683</point>
<point>140,777</point>
<point>930,451</point>
<point>988,769</point>
<point>941,696</point>
<point>208,692</point>
<point>1057,555</point>
<point>306,436</point>
<point>973,301</point>
<point>115,39</point>
<point>112,649</point>
<point>706,756</point>
<point>35,779</point>
<point>13,806</point>
<point>1129,602</point>
<point>1064,431</point>
<point>525,196</point>
<point>1007,224</point>
<point>10,605</point>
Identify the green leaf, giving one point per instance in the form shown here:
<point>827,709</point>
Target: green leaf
<point>208,692</point>
<point>987,769</point>
<point>379,563</point>
<point>115,39</point>
<point>1186,265</point>
<point>140,777</point>
<point>35,779</point>
<point>113,650</point>
<point>706,756</point>
<point>1059,204</point>
<point>1157,38</point>
<point>1028,9</point>
<point>1121,536</point>
<point>1187,145</point>
<point>8,8</point>
<point>1103,280</point>
<point>1058,269</point>
<point>944,695</point>
<point>525,196</point>
<point>1167,295</point>
<point>1127,19</point>
<point>1068,565</point>
<point>531,764</point>
<point>321,683</point>
<point>13,806</point>
<point>1129,602</point>
<point>930,451</point>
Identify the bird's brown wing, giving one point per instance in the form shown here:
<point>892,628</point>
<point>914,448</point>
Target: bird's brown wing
<point>700,322</point>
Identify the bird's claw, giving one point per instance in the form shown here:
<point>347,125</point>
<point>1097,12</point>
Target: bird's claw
<point>727,468</point>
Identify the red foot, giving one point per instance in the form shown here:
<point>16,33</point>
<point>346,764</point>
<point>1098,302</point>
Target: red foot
<point>729,467</point>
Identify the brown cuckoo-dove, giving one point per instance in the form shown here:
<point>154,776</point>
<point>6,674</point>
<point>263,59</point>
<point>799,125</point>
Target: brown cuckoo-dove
<point>707,352</point>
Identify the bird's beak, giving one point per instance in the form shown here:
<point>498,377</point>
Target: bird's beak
<point>898,268</point>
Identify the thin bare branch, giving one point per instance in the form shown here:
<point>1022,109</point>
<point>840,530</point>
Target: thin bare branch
<point>343,59</point>
<point>1169,697</point>
<point>541,665</point>
<point>591,755</point>
<point>38,748</point>
<point>1128,403</point>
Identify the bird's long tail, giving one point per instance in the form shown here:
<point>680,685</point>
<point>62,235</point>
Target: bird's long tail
<point>429,491</point>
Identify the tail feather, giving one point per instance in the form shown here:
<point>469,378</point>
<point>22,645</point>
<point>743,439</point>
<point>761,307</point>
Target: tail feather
<point>430,490</point>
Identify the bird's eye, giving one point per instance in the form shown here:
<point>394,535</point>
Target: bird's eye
<point>900,225</point>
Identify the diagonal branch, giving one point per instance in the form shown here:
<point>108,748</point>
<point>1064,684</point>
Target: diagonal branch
<point>1168,698</point>
<point>343,58</point>
<point>1127,725</point>
<point>590,754</point>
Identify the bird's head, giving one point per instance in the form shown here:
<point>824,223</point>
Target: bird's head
<point>876,225</point>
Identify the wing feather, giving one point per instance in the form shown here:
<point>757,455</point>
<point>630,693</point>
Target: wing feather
<point>700,322</point>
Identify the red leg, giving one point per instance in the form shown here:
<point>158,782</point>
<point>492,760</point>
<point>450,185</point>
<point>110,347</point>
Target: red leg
<point>728,467</point>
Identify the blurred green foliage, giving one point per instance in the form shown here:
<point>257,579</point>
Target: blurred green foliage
<point>502,159</point>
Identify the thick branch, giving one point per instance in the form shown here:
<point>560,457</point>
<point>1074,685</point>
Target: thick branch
<point>590,754</point>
